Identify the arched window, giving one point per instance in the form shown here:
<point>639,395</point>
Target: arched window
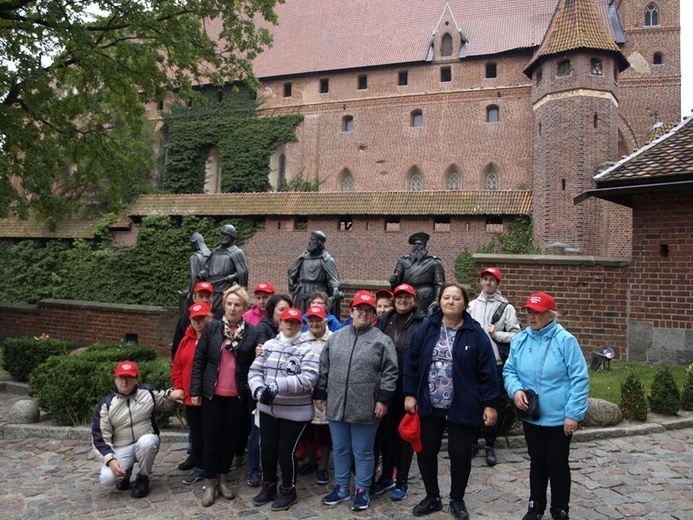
<point>348,124</point>
<point>492,115</point>
<point>651,15</point>
<point>446,45</point>
<point>658,58</point>
<point>416,118</point>
<point>491,180</point>
<point>213,172</point>
<point>346,182</point>
<point>416,182</point>
<point>281,182</point>
<point>454,181</point>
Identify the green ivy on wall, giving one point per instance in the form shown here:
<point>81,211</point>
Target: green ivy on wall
<point>245,143</point>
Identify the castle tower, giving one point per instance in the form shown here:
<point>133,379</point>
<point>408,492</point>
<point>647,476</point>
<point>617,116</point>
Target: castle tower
<point>575,74</point>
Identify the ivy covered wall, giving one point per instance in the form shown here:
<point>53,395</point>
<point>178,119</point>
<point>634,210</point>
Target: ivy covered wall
<point>245,143</point>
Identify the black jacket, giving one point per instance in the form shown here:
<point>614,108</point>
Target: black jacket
<point>208,354</point>
<point>266,329</point>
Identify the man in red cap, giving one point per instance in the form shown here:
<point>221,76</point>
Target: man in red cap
<point>254,315</point>
<point>124,431</point>
<point>499,319</point>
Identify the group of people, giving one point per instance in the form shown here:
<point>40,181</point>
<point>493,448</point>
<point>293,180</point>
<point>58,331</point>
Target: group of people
<point>391,380</point>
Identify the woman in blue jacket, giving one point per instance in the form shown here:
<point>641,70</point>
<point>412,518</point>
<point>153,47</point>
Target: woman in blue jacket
<point>450,379</point>
<point>546,358</point>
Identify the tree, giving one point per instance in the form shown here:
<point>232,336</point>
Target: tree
<point>75,76</point>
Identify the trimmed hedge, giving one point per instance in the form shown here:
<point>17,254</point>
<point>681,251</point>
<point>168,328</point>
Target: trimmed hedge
<point>105,352</point>
<point>665,398</point>
<point>70,387</point>
<point>22,355</point>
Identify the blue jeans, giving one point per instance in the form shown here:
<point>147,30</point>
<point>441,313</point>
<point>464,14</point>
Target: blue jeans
<point>353,440</point>
<point>254,449</point>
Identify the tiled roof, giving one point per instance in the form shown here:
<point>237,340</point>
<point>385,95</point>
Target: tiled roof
<point>325,35</point>
<point>336,203</point>
<point>15,228</point>
<point>577,24</point>
<point>670,156</point>
<point>658,130</point>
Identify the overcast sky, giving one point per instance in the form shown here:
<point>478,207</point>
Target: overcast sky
<point>686,57</point>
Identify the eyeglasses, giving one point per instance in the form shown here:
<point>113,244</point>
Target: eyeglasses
<point>364,310</point>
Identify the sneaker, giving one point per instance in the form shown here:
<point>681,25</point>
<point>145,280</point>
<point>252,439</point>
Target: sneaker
<point>336,496</point>
<point>533,511</point>
<point>124,483</point>
<point>400,492</point>
<point>383,485</point>
<point>237,462</point>
<point>254,478</point>
<point>427,506</point>
<point>361,500</point>
<point>307,468</point>
<point>195,476</point>
<point>188,464</point>
<point>323,477</point>
<point>140,488</point>
<point>459,510</point>
<point>559,514</point>
<point>491,459</point>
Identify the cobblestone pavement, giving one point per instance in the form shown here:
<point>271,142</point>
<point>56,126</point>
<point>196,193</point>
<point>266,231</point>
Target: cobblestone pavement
<point>644,476</point>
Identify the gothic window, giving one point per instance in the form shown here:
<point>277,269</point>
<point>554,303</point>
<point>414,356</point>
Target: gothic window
<point>348,124</point>
<point>651,15</point>
<point>415,180</point>
<point>347,183</point>
<point>416,118</point>
<point>446,45</point>
<point>491,181</point>
<point>492,114</point>
<point>454,181</point>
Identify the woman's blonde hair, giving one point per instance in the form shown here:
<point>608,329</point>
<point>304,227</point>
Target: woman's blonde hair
<point>240,292</point>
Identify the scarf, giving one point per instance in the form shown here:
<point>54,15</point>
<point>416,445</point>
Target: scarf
<point>232,338</point>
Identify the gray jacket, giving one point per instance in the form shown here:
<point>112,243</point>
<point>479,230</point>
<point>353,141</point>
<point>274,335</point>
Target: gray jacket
<point>358,367</point>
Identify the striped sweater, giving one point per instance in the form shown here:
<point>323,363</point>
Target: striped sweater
<point>293,365</point>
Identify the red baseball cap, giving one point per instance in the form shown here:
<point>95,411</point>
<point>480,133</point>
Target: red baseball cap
<point>363,298</point>
<point>127,368</point>
<point>199,309</point>
<point>383,293</point>
<point>291,314</point>
<point>316,310</point>
<point>410,430</point>
<point>204,286</point>
<point>405,287</point>
<point>264,287</point>
<point>540,302</point>
<point>493,271</point>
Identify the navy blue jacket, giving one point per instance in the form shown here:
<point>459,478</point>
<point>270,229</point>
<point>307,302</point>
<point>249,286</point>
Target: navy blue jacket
<point>474,376</point>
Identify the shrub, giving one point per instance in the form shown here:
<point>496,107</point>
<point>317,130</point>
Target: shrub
<point>23,355</point>
<point>665,398</point>
<point>687,393</point>
<point>633,403</point>
<point>70,387</point>
<point>118,352</point>
<point>464,268</point>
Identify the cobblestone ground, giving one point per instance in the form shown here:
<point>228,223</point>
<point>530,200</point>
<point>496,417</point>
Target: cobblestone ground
<point>644,477</point>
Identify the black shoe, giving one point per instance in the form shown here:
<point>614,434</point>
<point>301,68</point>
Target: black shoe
<point>140,488</point>
<point>491,459</point>
<point>124,483</point>
<point>534,511</point>
<point>188,464</point>
<point>427,506</point>
<point>268,493</point>
<point>287,497</point>
<point>559,514</point>
<point>459,510</point>
<point>307,468</point>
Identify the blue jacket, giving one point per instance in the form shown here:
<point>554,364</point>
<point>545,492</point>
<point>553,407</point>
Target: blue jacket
<point>564,384</point>
<point>474,376</point>
<point>332,322</point>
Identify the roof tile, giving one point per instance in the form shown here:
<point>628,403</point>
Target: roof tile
<point>15,228</point>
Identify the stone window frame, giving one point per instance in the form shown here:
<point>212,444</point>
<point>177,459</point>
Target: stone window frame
<point>491,179</point>
<point>453,181</point>
<point>651,15</point>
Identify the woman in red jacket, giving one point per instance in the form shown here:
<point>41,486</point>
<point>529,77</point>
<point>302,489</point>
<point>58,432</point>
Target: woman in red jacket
<point>181,374</point>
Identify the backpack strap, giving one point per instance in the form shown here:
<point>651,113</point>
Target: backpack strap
<point>499,312</point>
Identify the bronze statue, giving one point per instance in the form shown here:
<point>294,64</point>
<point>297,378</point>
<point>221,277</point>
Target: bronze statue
<point>225,266</point>
<point>315,270</point>
<point>197,261</point>
<point>422,271</point>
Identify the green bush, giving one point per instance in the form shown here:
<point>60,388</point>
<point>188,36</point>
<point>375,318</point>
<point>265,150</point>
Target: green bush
<point>464,268</point>
<point>633,403</point>
<point>23,355</point>
<point>70,387</point>
<point>104,352</point>
<point>665,398</point>
<point>687,393</point>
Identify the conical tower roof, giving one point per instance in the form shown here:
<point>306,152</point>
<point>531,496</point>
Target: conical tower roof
<point>576,24</point>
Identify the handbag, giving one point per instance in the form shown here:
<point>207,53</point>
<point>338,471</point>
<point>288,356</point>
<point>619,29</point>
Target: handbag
<point>532,411</point>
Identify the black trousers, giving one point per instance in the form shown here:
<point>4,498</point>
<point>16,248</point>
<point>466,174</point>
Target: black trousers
<point>193,415</point>
<point>278,441</point>
<point>388,443</point>
<point>548,449</point>
<point>460,439</point>
<point>222,424</point>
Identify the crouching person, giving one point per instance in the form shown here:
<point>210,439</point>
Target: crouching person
<point>124,430</point>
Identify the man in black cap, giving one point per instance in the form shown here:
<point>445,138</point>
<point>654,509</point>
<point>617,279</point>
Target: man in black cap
<point>422,271</point>
<point>226,266</point>
<point>315,270</point>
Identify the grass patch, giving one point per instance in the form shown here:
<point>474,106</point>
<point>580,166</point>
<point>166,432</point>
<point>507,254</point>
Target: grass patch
<point>607,383</point>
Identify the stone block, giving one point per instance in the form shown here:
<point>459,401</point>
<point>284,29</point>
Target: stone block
<point>25,411</point>
<point>639,340</point>
<point>602,413</point>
